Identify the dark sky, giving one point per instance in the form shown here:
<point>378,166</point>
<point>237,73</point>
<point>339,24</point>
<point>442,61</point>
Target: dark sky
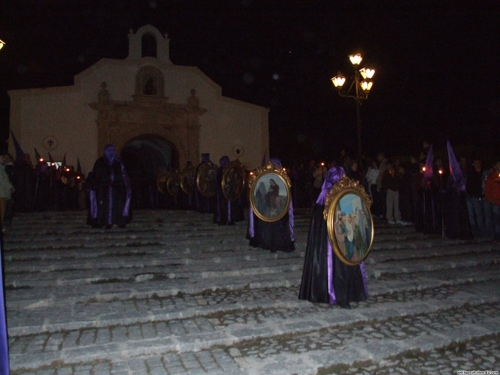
<point>436,62</point>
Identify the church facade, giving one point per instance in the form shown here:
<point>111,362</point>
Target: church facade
<point>158,115</point>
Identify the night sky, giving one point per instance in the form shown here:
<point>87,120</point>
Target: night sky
<point>436,62</point>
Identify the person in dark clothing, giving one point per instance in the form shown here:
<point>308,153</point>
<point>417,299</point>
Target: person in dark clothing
<point>276,235</point>
<point>9,208</point>
<point>427,219</point>
<point>110,192</point>
<point>187,186</point>
<point>440,191</point>
<point>476,202</point>
<point>456,218</point>
<point>405,195</point>
<point>203,204</point>
<point>42,186</point>
<point>355,174</point>
<point>24,183</point>
<point>391,181</point>
<point>226,212</point>
<point>325,278</point>
<point>412,168</point>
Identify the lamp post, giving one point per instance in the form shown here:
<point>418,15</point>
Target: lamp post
<point>358,90</point>
<point>2,43</point>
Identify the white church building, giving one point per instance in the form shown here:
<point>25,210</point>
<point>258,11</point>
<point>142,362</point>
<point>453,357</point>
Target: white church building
<point>156,113</point>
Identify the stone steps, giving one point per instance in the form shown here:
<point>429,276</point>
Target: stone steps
<point>282,329</point>
<point>152,300</point>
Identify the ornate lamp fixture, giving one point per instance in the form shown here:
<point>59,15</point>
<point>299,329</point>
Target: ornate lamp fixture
<point>359,89</point>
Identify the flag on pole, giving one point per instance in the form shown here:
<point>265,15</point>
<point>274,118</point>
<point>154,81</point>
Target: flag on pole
<point>78,166</point>
<point>427,172</point>
<point>19,150</point>
<point>264,158</point>
<point>455,170</point>
<point>37,155</point>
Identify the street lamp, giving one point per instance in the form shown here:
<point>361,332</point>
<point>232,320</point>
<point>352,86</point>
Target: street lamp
<point>2,43</point>
<point>358,90</point>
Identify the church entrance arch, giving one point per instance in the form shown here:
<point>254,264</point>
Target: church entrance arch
<point>144,157</point>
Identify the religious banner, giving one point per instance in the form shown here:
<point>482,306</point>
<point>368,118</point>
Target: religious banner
<point>270,192</point>
<point>188,180</point>
<point>174,183</point>
<point>349,221</point>
<point>161,181</point>
<point>206,180</point>
<point>233,180</point>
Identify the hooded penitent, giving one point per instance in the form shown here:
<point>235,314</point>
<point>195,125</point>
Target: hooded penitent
<point>110,154</point>
<point>325,278</point>
<point>287,221</point>
<point>332,177</point>
<point>205,158</point>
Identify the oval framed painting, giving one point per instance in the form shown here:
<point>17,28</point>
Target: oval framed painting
<point>174,184</point>
<point>161,181</point>
<point>233,180</point>
<point>270,192</point>
<point>349,221</point>
<point>206,180</point>
<point>188,180</point>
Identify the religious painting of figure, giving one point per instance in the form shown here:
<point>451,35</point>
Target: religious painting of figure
<point>233,180</point>
<point>270,194</point>
<point>161,181</point>
<point>174,183</point>
<point>207,179</point>
<point>350,224</point>
<point>188,180</point>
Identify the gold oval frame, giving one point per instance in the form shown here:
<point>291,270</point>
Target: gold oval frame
<point>230,190</point>
<point>174,184</point>
<point>185,185</point>
<point>265,174</point>
<point>206,180</point>
<point>348,196</point>
<point>161,181</point>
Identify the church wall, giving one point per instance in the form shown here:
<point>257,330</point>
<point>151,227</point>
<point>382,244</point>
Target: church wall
<point>64,113</point>
<point>179,80</point>
<point>39,117</point>
<point>239,126</point>
<point>227,124</point>
<point>118,75</point>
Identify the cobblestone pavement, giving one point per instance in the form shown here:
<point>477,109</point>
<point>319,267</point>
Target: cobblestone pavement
<point>175,294</point>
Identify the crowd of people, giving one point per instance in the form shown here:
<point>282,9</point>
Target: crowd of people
<point>45,186</point>
<point>453,197</point>
<point>424,191</point>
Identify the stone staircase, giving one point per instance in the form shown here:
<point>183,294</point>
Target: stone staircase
<point>174,293</point>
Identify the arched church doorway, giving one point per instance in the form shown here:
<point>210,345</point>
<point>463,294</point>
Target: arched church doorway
<point>144,157</point>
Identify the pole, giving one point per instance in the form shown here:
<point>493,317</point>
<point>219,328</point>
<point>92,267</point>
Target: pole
<point>358,112</point>
<point>358,123</point>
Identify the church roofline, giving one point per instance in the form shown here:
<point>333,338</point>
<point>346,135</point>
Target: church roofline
<point>243,103</point>
<point>135,41</point>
